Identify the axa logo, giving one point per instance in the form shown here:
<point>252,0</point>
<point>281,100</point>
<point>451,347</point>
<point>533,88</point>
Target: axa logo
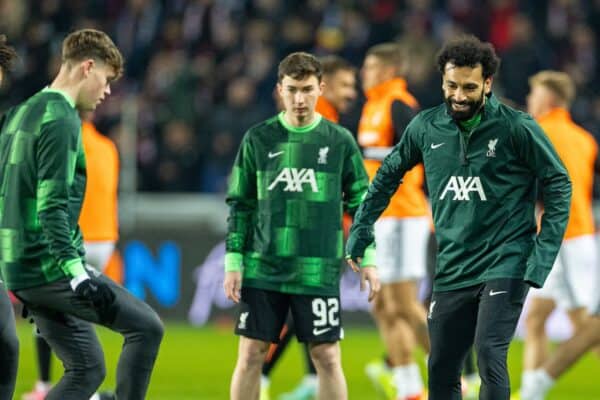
<point>462,187</point>
<point>295,180</point>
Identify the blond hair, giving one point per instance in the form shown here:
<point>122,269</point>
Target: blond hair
<point>91,43</point>
<point>559,83</point>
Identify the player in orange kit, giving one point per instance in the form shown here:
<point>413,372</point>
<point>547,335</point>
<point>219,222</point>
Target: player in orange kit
<point>572,283</point>
<point>402,231</point>
<point>98,221</point>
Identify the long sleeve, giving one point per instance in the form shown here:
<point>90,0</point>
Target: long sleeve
<point>539,154</point>
<point>241,198</point>
<point>405,155</point>
<point>56,157</point>
<point>355,180</point>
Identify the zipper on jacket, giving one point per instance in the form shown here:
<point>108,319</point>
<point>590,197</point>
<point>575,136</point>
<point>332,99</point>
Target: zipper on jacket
<point>464,143</point>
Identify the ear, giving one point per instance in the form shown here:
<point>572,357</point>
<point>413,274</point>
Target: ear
<point>321,87</point>
<point>86,66</point>
<point>279,89</point>
<point>487,85</point>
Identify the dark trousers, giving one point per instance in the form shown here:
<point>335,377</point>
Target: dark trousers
<point>65,320</point>
<point>484,315</point>
<point>9,347</point>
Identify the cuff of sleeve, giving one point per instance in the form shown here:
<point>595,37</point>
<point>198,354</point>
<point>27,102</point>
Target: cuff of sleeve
<point>233,262</point>
<point>74,268</point>
<point>369,257</point>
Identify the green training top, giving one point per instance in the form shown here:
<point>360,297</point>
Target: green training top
<point>483,191</point>
<point>42,182</point>
<point>286,196</point>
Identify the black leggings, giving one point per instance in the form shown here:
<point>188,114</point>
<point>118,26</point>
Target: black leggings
<point>9,347</point>
<point>483,315</point>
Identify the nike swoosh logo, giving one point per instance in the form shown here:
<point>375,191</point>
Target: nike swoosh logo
<point>492,293</point>
<point>318,332</point>
<point>435,146</point>
<point>272,155</point>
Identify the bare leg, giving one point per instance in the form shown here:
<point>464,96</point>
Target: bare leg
<point>245,383</point>
<point>327,358</point>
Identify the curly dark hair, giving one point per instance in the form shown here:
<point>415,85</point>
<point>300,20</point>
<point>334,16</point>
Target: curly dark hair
<point>468,51</point>
<point>7,54</point>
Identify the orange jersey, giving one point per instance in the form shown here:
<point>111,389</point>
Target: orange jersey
<point>578,150</point>
<point>376,129</point>
<point>99,219</point>
<point>327,110</point>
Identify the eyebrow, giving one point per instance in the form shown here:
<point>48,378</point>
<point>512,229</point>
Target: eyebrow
<point>289,86</point>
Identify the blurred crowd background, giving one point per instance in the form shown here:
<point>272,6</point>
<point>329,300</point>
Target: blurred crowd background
<point>200,72</point>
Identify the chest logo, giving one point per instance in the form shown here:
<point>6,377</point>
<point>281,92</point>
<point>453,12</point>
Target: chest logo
<point>295,178</point>
<point>463,187</point>
<point>492,148</point>
<point>323,151</point>
<point>436,145</point>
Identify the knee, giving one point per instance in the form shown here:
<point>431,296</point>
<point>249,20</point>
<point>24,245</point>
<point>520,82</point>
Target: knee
<point>92,373</point>
<point>490,359</point>
<point>326,356</point>
<point>253,355</point>
<point>152,330</point>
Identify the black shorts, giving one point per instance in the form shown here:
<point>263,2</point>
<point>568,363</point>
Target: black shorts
<point>262,314</point>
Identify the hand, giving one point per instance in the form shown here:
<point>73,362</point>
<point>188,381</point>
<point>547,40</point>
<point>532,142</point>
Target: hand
<point>355,265</point>
<point>233,285</point>
<point>369,273</point>
<point>96,291</point>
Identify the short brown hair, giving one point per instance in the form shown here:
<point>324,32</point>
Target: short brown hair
<point>95,44</point>
<point>299,65</point>
<point>332,64</point>
<point>559,83</point>
<point>7,54</point>
<point>389,53</point>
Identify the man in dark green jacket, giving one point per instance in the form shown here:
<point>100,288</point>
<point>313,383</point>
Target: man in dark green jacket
<point>483,161</point>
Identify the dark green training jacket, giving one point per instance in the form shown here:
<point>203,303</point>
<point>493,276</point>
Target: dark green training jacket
<point>483,194</point>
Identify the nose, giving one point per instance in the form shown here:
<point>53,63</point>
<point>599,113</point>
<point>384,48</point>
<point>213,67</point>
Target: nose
<point>107,90</point>
<point>298,98</point>
<point>459,95</point>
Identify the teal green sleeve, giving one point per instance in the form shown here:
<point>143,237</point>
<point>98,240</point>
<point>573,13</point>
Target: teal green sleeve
<point>56,157</point>
<point>355,180</point>
<point>241,198</point>
<point>537,152</point>
<point>405,155</point>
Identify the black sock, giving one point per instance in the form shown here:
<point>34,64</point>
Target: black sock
<point>310,367</point>
<point>469,367</point>
<point>276,350</point>
<point>44,355</point>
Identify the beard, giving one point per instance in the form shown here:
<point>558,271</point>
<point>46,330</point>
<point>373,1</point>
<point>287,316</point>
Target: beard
<point>463,115</point>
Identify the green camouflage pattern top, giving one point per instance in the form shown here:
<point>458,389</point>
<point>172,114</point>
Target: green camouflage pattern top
<point>42,183</point>
<point>288,189</point>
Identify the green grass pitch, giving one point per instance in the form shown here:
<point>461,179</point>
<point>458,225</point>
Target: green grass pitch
<point>196,363</point>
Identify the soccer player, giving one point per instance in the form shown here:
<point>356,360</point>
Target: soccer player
<point>98,222</point>
<point>293,175</point>
<point>482,162</point>
<point>9,344</point>
<point>402,231</point>
<point>339,92</point>
<point>42,180</point>
<point>571,284</point>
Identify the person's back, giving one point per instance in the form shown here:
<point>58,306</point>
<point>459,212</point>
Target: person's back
<point>38,199</point>
<point>578,150</point>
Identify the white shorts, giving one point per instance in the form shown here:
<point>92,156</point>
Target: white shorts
<point>573,280</point>
<point>97,254</point>
<point>401,246</point>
